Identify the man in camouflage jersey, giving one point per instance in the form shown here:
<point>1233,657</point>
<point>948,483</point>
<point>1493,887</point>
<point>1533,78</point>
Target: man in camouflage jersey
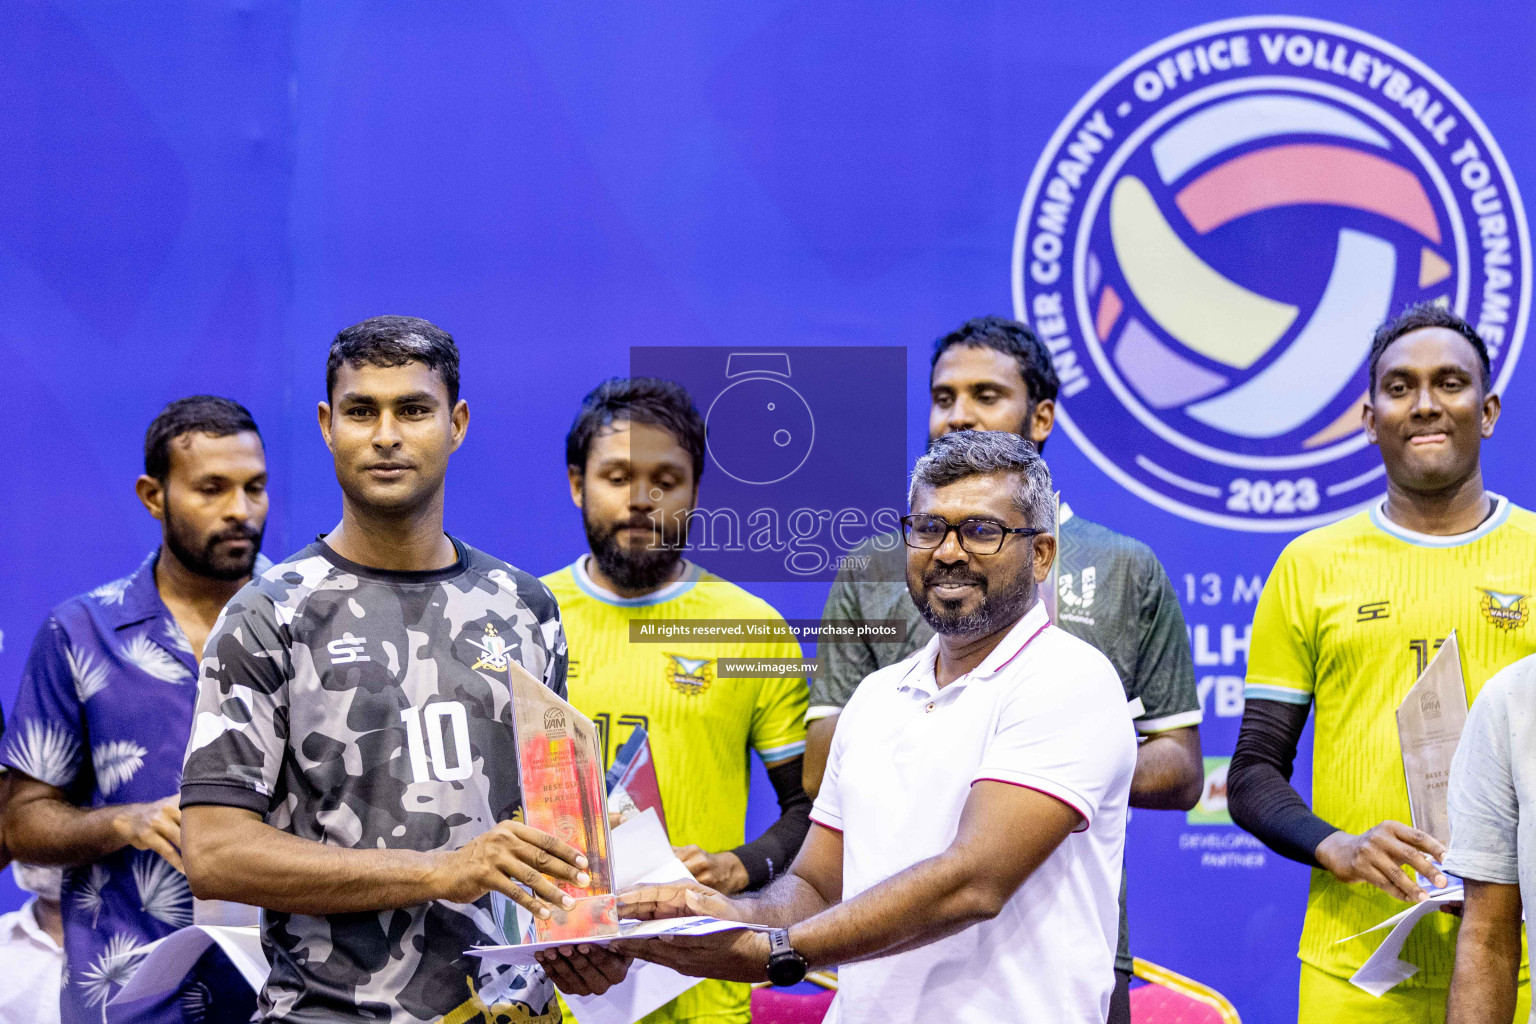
<point>352,766</point>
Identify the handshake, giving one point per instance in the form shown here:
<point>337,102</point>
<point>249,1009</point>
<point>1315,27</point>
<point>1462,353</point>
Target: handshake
<point>583,968</point>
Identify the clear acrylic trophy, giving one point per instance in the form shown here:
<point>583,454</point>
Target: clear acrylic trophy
<point>1429,724</point>
<point>560,761</point>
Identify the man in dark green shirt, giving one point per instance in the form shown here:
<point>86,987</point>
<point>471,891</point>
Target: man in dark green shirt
<point>996,374</point>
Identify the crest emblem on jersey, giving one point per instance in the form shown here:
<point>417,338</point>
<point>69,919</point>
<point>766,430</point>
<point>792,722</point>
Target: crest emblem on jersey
<point>1078,597</point>
<point>1214,231</point>
<point>494,652</point>
<point>1505,611</point>
<point>689,675</point>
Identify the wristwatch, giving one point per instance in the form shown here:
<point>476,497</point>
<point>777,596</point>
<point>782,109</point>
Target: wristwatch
<point>785,966</point>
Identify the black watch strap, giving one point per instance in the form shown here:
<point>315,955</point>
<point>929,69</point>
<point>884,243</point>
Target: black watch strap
<point>785,966</point>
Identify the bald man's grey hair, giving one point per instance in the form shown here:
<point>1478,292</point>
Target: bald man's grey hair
<point>967,453</point>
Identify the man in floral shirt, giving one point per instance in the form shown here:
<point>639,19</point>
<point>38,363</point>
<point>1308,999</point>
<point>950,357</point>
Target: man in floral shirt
<point>101,722</point>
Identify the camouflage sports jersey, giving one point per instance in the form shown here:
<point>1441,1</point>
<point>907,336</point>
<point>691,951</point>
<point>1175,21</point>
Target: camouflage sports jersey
<point>369,709</point>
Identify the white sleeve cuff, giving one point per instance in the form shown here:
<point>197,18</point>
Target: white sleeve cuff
<point>1167,723</point>
<point>1482,867</point>
<point>824,817</point>
<point>1050,788</point>
<point>821,711</point>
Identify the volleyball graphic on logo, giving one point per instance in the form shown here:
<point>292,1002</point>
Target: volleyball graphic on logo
<point>1212,237</point>
<point>1223,329</point>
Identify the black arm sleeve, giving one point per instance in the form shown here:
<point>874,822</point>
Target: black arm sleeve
<point>1259,793</point>
<point>770,854</point>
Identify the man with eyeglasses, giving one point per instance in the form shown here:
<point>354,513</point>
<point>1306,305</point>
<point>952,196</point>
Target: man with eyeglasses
<point>996,374</point>
<point>964,857</point>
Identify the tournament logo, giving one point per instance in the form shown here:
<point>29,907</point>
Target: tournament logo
<point>1213,234</point>
<point>689,675</point>
<point>1429,705</point>
<point>1505,611</point>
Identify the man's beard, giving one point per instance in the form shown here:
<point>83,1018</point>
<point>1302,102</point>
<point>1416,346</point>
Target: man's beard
<point>200,555</point>
<point>632,569</point>
<point>992,615</point>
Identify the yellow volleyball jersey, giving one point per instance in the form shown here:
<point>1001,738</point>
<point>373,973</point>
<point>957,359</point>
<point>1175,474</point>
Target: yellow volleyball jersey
<point>1348,619</point>
<point>702,729</point>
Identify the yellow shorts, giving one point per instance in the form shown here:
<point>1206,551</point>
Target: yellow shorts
<point>1329,999</point>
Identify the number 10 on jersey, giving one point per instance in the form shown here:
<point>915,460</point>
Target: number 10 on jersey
<point>438,721</point>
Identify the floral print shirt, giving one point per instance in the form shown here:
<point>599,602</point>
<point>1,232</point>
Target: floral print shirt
<point>103,713</point>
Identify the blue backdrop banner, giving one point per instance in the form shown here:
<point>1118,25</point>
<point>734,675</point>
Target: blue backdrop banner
<point>1204,207</point>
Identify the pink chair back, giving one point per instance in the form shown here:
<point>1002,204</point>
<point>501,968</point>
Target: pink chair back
<point>1170,998</point>
<point>1154,1004</point>
<point>775,1006</point>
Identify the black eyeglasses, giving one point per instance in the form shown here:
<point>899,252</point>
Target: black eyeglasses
<point>977,536</point>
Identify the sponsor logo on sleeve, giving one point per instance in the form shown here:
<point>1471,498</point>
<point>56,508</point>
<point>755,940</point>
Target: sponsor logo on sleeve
<point>1373,610</point>
<point>346,649</point>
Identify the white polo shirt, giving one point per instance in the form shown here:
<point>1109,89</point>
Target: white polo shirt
<point>31,966</point>
<point>1045,711</point>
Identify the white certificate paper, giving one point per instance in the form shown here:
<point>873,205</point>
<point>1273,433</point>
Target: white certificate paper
<point>641,855</point>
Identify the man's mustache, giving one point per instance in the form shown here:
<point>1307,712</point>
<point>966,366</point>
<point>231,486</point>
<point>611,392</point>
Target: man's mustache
<point>656,525</point>
<point>936,577</point>
<point>635,523</point>
<point>236,533</point>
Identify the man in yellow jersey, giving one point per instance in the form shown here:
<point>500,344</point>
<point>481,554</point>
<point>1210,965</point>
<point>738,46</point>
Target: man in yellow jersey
<point>634,455</point>
<point>1348,619</point>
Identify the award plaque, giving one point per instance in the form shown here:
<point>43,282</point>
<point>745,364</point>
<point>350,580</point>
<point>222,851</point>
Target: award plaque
<point>560,764</point>
<point>1429,724</point>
